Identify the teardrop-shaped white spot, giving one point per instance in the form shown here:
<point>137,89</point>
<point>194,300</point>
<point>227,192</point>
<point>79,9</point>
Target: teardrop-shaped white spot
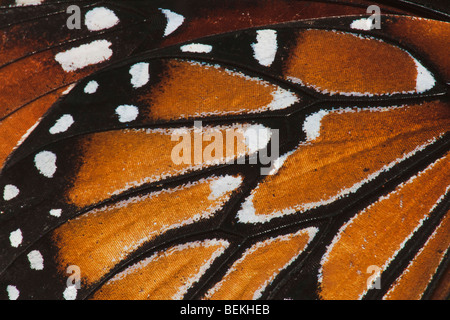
<point>174,21</point>
<point>10,192</point>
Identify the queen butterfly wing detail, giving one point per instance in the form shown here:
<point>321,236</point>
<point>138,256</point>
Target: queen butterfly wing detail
<point>359,186</point>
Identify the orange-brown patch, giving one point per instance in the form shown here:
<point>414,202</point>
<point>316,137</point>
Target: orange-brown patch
<point>191,89</point>
<point>345,63</point>
<point>100,239</point>
<point>166,275</point>
<point>14,127</point>
<point>415,279</point>
<point>212,21</point>
<point>351,147</point>
<point>430,37</point>
<point>442,290</point>
<point>258,266</point>
<point>32,77</point>
<point>375,235</point>
<point>115,161</point>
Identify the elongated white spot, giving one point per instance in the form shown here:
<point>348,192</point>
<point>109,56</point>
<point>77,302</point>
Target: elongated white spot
<point>100,18</point>
<point>13,293</point>
<point>87,54</point>
<point>140,74</point>
<point>45,162</point>
<point>56,212</point>
<point>127,113</point>
<point>69,88</point>
<point>196,48</point>
<point>70,293</point>
<point>174,21</point>
<point>282,99</point>
<point>362,24</point>
<point>91,87</point>
<point>16,238</point>
<point>62,124</point>
<point>36,260</point>
<point>425,80</point>
<point>223,185</point>
<point>266,47</point>
<point>247,212</point>
<point>28,2</point>
<point>312,125</point>
<point>10,192</point>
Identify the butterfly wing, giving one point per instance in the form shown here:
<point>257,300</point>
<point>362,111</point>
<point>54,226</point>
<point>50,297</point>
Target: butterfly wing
<point>351,189</point>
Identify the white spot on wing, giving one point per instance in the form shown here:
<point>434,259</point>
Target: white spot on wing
<point>56,212</point>
<point>28,2</point>
<point>70,293</point>
<point>87,54</point>
<point>223,185</point>
<point>13,293</point>
<point>91,87</point>
<point>127,113</point>
<point>139,74</point>
<point>278,163</point>
<point>10,192</point>
<point>36,260</point>
<point>362,24</point>
<point>174,21</point>
<point>100,18</point>
<point>247,212</point>
<point>62,124</point>
<point>69,88</point>
<point>312,124</point>
<point>425,80</point>
<point>16,238</point>
<point>266,46</point>
<point>196,48</point>
<point>282,99</point>
<point>257,137</point>
<point>45,162</point>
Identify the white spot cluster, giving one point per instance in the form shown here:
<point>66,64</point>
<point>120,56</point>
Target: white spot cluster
<point>87,54</point>
<point>266,47</point>
<point>140,74</point>
<point>100,19</point>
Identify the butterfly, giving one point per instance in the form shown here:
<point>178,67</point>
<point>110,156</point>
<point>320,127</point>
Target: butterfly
<point>135,151</point>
